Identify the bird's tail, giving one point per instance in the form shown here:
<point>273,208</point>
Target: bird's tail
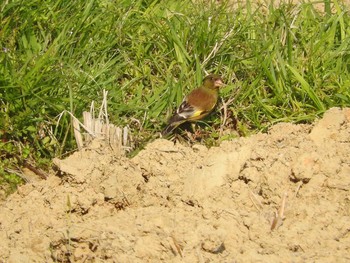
<point>174,121</point>
<point>169,129</point>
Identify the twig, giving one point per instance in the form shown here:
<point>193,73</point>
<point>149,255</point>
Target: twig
<point>99,127</point>
<point>298,188</point>
<point>35,170</point>
<point>223,123</point>
<point>229,101</point>
<point>177,246</point>
<point>18,173</point>
<point>217,47</point>
<point>31,167</point>
<point>279,217</point>
<point>80,123</point>
<point>255,201</point>
<point>224,107</point>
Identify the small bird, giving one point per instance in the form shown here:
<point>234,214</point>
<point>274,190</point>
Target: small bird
<point>196,105</point>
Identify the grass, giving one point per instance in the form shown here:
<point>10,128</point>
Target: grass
<point>281,62</point>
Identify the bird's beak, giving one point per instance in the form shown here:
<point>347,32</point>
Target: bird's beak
<point>218,83</point>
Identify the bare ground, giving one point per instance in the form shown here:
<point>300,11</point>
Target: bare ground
<point>173,203</point>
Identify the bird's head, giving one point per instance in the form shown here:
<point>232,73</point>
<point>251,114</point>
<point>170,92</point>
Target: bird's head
<point>213,81</point>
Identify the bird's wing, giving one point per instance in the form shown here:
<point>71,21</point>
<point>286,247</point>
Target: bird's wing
<point>197,104</point>
<point>187,110</point>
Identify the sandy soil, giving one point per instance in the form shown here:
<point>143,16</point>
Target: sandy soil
<point>173,203</point>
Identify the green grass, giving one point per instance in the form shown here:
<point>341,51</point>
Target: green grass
<point>281,63</point>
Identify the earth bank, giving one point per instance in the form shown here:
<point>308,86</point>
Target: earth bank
<point>174,203</point>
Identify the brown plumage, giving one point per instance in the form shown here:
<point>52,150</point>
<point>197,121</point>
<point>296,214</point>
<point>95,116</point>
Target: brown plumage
<point>198,104</point>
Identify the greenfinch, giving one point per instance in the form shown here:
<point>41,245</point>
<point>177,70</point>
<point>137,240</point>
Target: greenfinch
<point>196,105</point>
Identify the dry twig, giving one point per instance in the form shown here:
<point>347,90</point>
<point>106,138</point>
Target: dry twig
<point>98,127</point>
<point>224,117</point>
<point>255,201</point>
<point>279,217</point>
<point>177,246</point>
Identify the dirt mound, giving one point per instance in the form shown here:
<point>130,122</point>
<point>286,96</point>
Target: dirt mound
<point>173,203</point>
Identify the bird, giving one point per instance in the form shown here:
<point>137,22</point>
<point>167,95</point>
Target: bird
<point>197,104</point>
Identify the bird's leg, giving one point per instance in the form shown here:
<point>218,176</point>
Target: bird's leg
<point>190,132</point>
<point>193,126</point>
<point>196,132</point>
<point>190,136</point>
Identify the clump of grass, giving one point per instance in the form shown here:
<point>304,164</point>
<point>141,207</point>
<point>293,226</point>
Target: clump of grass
<point>281,63</point>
